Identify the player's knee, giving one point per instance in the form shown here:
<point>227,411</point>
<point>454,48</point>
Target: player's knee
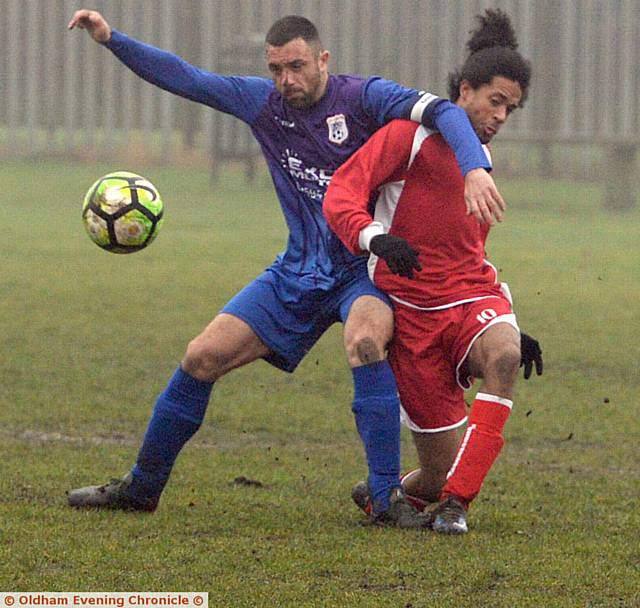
<point>504,362</point>
<point>364,350</point>
<point>202,361</point>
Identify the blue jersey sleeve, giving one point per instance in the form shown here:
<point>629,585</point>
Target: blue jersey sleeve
<point>242,96</point>
<point>383,100</point>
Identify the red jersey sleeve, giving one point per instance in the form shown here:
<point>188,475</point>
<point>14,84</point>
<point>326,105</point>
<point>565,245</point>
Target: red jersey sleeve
<point>382,159</point>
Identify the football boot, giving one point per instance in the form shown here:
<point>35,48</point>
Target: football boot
<point>449,517</point>
<point>112,495</point>
<point>360,495</point>
<point>400,513</point>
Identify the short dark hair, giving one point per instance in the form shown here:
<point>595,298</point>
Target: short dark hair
<point>291,27</point>
<point>492,52</point>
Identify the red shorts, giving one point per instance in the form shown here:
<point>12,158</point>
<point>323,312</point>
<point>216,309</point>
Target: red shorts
<point>428,356</point>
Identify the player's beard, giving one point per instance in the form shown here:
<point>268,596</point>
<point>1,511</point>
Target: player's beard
<point>307,98</point>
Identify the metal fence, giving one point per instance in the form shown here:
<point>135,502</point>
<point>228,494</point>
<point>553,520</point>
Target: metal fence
<point>63,94</point>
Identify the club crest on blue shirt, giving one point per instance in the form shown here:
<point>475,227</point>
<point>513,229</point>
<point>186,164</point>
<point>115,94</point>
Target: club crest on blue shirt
<point>338,131</point>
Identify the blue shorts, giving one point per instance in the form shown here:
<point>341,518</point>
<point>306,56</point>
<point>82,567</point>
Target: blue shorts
<point>290,318</point>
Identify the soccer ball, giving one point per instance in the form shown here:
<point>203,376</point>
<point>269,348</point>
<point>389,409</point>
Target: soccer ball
<point>122,212</point>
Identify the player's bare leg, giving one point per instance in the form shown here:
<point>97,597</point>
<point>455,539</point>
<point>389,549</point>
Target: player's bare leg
<point>368,329</point>
<point>495,357</point>
<point>225,344</point>
<point>436,452</point>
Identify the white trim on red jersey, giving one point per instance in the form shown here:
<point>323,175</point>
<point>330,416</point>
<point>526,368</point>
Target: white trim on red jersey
<point>504,288</point>
<point>366,234</point>
<point>389,194</point>
<point>442,307</point>
<point>388,197</point>
<point>418,139</point>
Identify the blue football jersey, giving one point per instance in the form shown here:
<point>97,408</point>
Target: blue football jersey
<point>302,147</point>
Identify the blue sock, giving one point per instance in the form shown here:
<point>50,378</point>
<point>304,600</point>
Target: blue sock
<point>377,410</point>
<point>177,415</point>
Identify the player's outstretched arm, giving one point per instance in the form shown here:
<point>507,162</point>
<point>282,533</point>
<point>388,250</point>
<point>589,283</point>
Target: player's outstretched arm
<point>93,22</point>
<point>242,97</point>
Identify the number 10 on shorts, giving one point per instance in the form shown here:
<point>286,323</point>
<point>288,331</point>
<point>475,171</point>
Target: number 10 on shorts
<point>486,315</point>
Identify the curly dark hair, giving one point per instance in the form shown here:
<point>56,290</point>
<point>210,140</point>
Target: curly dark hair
<point>492,52</point>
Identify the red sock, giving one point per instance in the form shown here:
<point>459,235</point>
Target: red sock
<point>479,447</point>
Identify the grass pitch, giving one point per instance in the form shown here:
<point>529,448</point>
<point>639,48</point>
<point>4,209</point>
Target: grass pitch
<point>90,338</point>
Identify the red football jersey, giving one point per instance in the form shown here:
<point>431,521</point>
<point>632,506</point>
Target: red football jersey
<point>418,190</point>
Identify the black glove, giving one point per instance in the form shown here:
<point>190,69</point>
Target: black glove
<point>395,251</point>
<point>530,353</point>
